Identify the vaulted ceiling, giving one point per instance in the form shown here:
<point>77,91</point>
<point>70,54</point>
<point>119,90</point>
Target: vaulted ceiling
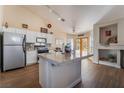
<point>78,17</point>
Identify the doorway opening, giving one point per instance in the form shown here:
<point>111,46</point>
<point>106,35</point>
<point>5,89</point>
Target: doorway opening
<point>84,43</point>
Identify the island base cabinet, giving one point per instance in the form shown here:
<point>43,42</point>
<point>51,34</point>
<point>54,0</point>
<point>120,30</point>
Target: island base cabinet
<point>59,76</point>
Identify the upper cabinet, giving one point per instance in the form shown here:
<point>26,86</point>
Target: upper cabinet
<point>37,34</point>
<point>21,31</point>
<point>43,35</point>
<point>30,37</point>
<point>49,38</point>
<point>14,30</point>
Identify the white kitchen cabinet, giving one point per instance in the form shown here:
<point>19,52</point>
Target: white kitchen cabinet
<point>43,35</point>
<point>38,34</point>
<point>12,30</point>
<point>31,57</point>
<point>1,29</point>
<point>49,38</point>
<point>65,72</point>
<point>30,37</point>
<point>20,31</point>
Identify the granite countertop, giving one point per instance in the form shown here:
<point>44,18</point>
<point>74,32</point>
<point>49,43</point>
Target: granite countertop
<point>59,58</point>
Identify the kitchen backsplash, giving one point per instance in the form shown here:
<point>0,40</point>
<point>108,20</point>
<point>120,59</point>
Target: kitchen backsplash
<point>29,46</point>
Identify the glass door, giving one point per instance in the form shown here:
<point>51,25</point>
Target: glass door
<point>82,46</point>
<point>85,46</point>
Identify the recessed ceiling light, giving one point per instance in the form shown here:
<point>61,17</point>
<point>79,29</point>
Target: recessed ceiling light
<point>50,10</point>
<point>62,19</point>
<point>59,18</point>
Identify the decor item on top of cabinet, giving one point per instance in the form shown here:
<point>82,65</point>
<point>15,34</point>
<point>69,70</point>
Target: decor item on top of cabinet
<point>51,32</point>
<point>6,25</point>
<point>25,26</point>
<point>49,26</point>
<point>44,30</point>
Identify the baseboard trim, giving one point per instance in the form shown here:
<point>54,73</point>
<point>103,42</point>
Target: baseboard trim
<point>74,83</point>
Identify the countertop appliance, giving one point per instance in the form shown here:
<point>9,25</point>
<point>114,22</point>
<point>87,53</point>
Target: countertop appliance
<point>12,52</point>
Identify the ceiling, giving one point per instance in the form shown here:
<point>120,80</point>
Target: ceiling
<point>80,17</point>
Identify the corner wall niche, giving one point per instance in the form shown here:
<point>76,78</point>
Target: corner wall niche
<point>108,34</point>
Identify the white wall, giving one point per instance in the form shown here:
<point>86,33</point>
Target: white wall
<point>120,29</point>
<point>103,37</point>
<point>16,15</point>
<point>1,15</point>
<point>74,37</point>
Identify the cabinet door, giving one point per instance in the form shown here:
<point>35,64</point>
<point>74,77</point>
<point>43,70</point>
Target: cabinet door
<point>43,35</point>
<point>31,57</point>
<point>12,30</point>
<point>20,31</point>
<point>30,37</point>
<point>49,38</point>
<point>1,29</point>
<point>33,37</point>
<point>38,34</point>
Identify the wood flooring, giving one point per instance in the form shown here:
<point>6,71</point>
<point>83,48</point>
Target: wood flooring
<point>93,76</point>
<point>21,78</point>
<point>101,76</point>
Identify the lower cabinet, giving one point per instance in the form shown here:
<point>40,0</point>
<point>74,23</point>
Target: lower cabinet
<point>31,57</point>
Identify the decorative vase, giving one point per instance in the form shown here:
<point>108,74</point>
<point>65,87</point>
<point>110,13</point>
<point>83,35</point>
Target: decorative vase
<point>6,25</point>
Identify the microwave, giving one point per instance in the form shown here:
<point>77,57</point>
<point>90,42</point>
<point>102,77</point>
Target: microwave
<point>41,40</point>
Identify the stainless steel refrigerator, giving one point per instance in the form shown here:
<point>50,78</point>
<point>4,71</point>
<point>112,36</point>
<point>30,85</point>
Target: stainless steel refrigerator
<point>13,52</point>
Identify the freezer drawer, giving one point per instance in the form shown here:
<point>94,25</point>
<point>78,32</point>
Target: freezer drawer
<point>14,57</point>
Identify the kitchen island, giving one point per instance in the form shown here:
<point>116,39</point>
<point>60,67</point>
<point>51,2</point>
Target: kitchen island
<point>57,70</point>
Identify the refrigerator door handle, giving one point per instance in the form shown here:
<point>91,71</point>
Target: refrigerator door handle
<point>23,45</point>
